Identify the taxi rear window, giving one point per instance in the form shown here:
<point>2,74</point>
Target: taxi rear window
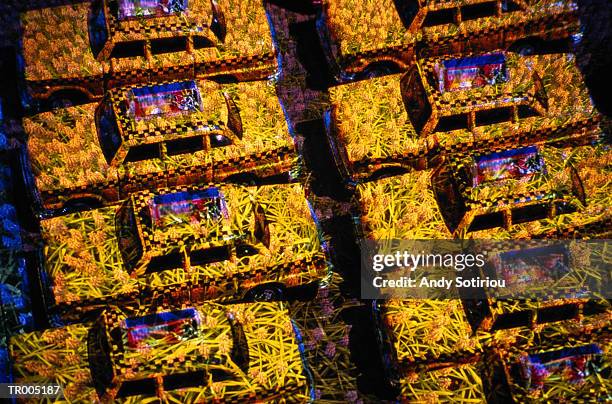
<point>187,208</point>
<point>539,265</point>
<point>568,364</point>
<point>163,100</point>
<point>516,164</point>
<point>150,8</point>
<point>161,328</point>
<point>471,72</point>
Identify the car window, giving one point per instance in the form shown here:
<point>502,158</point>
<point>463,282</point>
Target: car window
<point>184,145</point>
<point>218,26</point>
<point>143,152</point>
<point>479,10</point>
<point>487,221</point>
<point>206,256</point>
<point>108,131</point>
<point>451,122</point>
<point>130,49</point>
<point>415,100</point>
<point>521,267</point>
<point>439,17</point>
<point>168,45</point>
<point>219,140</point>
<point>407,10</point>
<point>200,42</point>
<point>182,380</point>
<point>493,116</point>
<point>127,235</point>
<point>98,33</point>
<point>246,250</point>
<point>447,194</point>
<point>170,260</point>
<point>509,6</point>
<point>98,353</point>
<point>468,12</point>
<point>526,111</point>
<point>145,387</point>
<point>530,213</point>
<point>583,361</point>
<point>240,347</point>
<point>540,91</point>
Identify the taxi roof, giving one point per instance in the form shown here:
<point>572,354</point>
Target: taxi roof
<point>188,215</point>
<point>147,344</point>
<point>155,112</point>
<point>516,173</point>
<point>201,217</point>
<point>462,84</point>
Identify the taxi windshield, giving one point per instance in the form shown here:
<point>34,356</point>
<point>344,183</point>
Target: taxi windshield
<point>150,8</point>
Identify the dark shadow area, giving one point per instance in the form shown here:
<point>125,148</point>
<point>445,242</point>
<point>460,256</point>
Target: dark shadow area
<point>310,54</point>
<point>594,51</point>
<point>38,292</point>
<point>19,190</point>
<point>326,179</point>
<point>496,389</point>
<point>298,6</point>
<point>345,253</point>
<point>365,353</point>
<point>8,83</point>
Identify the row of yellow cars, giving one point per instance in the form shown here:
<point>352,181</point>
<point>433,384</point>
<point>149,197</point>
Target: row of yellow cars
<point>163,268</point>
<point>488,133</point>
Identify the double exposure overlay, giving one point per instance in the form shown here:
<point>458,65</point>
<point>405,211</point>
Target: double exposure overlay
<point>294,201</point>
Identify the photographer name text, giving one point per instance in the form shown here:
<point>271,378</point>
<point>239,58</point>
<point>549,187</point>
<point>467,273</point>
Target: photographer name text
<point>439,283</point>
